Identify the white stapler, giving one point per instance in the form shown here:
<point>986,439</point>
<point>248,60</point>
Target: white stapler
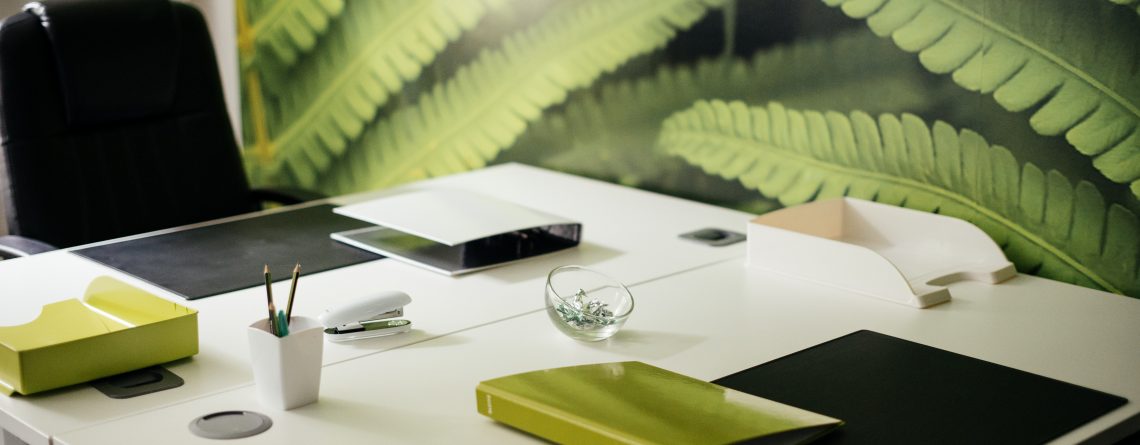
<point>371,316</point>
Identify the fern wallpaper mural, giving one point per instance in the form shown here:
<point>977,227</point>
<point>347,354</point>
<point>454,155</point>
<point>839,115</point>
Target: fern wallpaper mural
<point>1021,117</point>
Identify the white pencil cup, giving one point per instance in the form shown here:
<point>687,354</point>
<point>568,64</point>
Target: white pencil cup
<point>287,370</point>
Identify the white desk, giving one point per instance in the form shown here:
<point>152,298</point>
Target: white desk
<point>706,323</point>
<point>628,233</point>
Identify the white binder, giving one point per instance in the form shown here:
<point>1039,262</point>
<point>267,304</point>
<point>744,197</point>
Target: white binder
<point>454,232</point>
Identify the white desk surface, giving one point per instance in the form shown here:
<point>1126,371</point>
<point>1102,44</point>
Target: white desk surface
<point>705,323</point>
<point>628,233</point>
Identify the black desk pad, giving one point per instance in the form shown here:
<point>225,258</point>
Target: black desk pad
<point>225,257</point>
<point>893,391</point>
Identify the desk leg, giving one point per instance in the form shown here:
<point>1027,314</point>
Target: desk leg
<point>10,439</point>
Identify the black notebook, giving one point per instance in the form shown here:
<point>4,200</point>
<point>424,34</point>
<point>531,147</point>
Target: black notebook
<point>894,391</point>
<point>226,257</point>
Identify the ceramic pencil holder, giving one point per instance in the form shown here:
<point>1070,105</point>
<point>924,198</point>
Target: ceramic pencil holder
<point>287,370</point>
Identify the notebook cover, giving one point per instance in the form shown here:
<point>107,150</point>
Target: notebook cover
<point>632,402</point>
<point>893,391</point>
<point>226,257</point>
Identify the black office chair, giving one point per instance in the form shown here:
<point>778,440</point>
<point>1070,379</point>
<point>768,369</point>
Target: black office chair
<point>112,123</point>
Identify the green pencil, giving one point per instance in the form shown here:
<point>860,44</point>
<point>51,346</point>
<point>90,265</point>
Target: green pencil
<point>282,325</point>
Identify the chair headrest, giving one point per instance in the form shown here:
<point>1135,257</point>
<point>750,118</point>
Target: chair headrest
<point>117,59</point>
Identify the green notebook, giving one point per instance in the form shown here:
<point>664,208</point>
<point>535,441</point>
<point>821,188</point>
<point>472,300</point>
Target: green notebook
<point>632,402</point>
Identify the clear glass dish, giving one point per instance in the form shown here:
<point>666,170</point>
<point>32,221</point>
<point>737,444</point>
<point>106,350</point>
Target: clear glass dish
<point>586,304</point>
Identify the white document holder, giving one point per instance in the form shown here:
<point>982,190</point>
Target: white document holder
<point>454,232</point>
<point>896,254</point>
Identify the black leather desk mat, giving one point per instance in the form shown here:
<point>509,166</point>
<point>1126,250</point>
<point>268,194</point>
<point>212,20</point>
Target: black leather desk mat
<point>893,391</point>
<point>225,257</point>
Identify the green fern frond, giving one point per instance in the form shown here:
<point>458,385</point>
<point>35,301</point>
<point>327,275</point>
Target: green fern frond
<point>377,47</point>
<point>620,121</point>
<point>287,28</point>
<point>1075,62</point>
<point>1128,3</point>
<point>1044,224</point>
<point>464,122</point>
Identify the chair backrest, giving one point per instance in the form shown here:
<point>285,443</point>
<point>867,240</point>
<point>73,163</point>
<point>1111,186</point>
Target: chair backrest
<point>112,121</point>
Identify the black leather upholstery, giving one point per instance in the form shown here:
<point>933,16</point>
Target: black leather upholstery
<point>113,123</point>
<point>12,246</point>
<point>135,80</point>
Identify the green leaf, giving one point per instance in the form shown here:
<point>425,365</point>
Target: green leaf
<point>1129,3</point>
<point>377,48</point>
<point>287,28</point>
<point>469,119</point>
<point>1043,223</point>
<point>609,131</point>
<point>1073,62</point>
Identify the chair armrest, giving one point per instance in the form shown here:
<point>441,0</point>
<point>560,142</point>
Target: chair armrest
<point>12,246</point>
<point>285,196</point>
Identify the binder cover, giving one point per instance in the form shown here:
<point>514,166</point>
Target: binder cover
<point>226,257</point>
<point>454,232</point>
<point>893,391</point>
<point>632,402</point>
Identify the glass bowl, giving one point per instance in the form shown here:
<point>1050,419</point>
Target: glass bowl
<point>586,304</point>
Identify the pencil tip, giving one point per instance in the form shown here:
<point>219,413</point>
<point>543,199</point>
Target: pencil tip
<point>297,268</point>
<point>266,268</point>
